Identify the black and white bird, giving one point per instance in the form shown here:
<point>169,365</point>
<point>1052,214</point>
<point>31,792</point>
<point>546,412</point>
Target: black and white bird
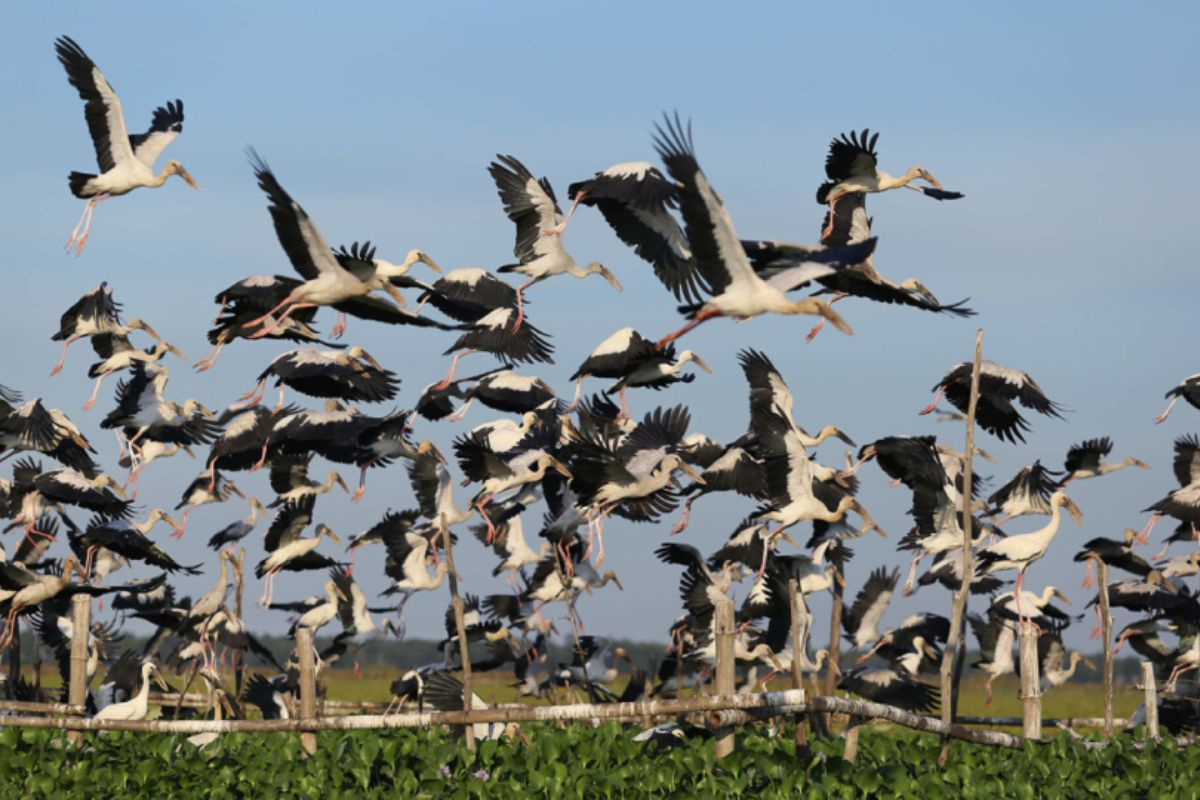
<point>126,161</point>
<point>1086,460</point>
<point>633,360</point>
<point>287,549</point>
<point>495,333</point>
<point>1188,389</point>
<point>861,624</point>
<point>996,637</point>
<point>736,290</point>
<point>1183,503</point>
<point>999,388</point>
<point>351,375</point>
<point>851,167</point>
<point>117,353</point>
<point>891,687</point>
<point>636,201</point>
<point>1026,493</point>
<point>326,282</point>
<point>1019,552</point>
<point>529,202</point>
<point>94,313</point>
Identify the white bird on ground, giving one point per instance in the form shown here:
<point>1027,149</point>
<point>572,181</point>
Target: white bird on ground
<point>136,707</point>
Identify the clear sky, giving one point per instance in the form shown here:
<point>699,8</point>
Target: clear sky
<point>1071,127</point>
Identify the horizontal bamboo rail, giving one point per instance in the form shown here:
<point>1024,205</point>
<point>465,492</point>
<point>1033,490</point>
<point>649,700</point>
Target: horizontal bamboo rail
<point>41,708</point>
<point>1061,722</point>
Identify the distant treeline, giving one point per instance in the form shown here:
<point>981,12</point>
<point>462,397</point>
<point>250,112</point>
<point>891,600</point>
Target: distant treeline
<point>403,655</point>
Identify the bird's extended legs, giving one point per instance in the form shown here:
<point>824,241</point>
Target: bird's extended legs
<point>812,334</point>
<point>929,408</point>
<point>562,226</point>
<point>703,316</point>
<point>206,363</point>
<point>79,235</point>
<point>684,518</point>
<point>911,580</point>
<point>339,325</point>
<point>446,381</point>
<point>182,529</point>
<point>95,393</point>
<point>253,397</point>
<point>1161,418</point>
<point>271,325</point>
<point>1144,536</point>
<point>62,359</point>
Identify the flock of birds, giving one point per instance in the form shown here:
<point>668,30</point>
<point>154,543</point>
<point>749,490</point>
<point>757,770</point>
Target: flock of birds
<point>585,461</point>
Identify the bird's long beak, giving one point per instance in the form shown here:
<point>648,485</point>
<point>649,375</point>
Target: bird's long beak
<point>191,453</point>
<point>116,487</point>
<point>167,519</point>
<point>367,357</point>
<point>1061,596</point>
<point>561,469</point>
<point>612,279</point>
<point>691,473</point>
<point>161,681</point>
<point>173,350</point>
<point>1074,510</point>
<point>429,262</point>
<point>932,181</point>
<point>1139,463</point>
<point>837,576</point>
<point>833,667</point>
<point>702,364</point>
<point>342,595</point>
<point>985,455</point>
<point>236,491</point>
<point>141,324</point>
<point>187,177</point>
<point>338,480</point>
<point>1087,662</point>
<point>332,535</point>
<point>838,434</point>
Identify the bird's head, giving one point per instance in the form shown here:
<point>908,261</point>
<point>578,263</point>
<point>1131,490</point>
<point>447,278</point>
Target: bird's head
<point>1137,462</point>
<point>1057,594</point>
<point>548,461</point>
<point>690,355</point>
<point>675,462</point>
<point>106,481</point>
<point>149,670</point>
<point>159,515</point>
<point>1080,657</point>
<point>425,446</point>
<point>611,576</point>
<point>138,324</point>
<point>917,171</point>
<point>595,267</point>
<point>822,656</point>
<point>335,593</point>
<point>1060,500</point>
<point>167,347</point>
<point>416,255</point>
<point>834,431</point>
<point>335,477</point>
<point>325,530</point>
<point>175,168</point>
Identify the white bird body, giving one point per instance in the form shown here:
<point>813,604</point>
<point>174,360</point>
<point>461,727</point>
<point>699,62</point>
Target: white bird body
<point>136,707</point>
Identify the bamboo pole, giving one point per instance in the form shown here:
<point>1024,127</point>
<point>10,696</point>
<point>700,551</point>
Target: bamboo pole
<point>948,684</point>
<point>81,612</point>
<point>1151,701</point>
<point>787,702</point>
<point>456,603</point>
<point>834,653</point>
<point>42,708</point>
<point>1031,697</point>
<point>725,682</point>
<point>1016,722</point>
<point>1106,642</point>
<point>800,624</point>
<point>308,685</point>
<point>239,584</point>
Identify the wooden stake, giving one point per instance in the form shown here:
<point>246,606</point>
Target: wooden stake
<point>1031,697</point>
<point>968,572</point>
<point>235,660</point>
<point>726,684</point>
<point>456,603</point>
<point>308,685</point>
<point>1106,643</point>
<point>850,748</point>
<point>1151,690</point>
<point>81,612</point>
<point>801,620</point>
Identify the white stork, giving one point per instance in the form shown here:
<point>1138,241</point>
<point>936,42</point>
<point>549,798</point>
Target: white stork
<point>736,289</point>
<point>126,162</point>
<point>95,312</point>
<point>530,204</point>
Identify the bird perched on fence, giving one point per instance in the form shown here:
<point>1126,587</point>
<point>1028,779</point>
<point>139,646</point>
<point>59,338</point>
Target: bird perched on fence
<point>138,706</point>
<point>126,162</point>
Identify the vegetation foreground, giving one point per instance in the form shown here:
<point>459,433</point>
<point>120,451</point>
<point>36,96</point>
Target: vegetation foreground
<point>575,762</point>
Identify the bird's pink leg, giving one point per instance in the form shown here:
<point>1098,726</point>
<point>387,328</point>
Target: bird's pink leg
<point>279,404</point>
<point>812,334</point>
<point>253,397</point>
<point>988,686</point>
<point>79,238</point>
<point>829,227</point>
<point>481,507</point>
<point>929,408</point>
<point>206,363</point>
<point>1161,418</point>
<point>182,529</point>
<point>684,518</point>
<point>362,484</point>
<point>270,327</point>
<point>339,326</point>
<point>262,459</point>
<point>562,226</point>
<point>95,393</point>
<point>1163,552</point>
<point>453,365</point>
<point>625,412</point>
<point>1144,536</point>
<point>907,589</point>
<point>1096,631</point>
<point>578,393</point>
<point>703,316</point>
<point>521,304</point>
<point>457,415</point>
<point>1089,579</point>
<point>62,360</point>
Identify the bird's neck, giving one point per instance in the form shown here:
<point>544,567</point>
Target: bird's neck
<point>160,178</point>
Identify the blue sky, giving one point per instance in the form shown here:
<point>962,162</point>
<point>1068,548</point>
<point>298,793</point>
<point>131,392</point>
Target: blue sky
<point>1070,127</point>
